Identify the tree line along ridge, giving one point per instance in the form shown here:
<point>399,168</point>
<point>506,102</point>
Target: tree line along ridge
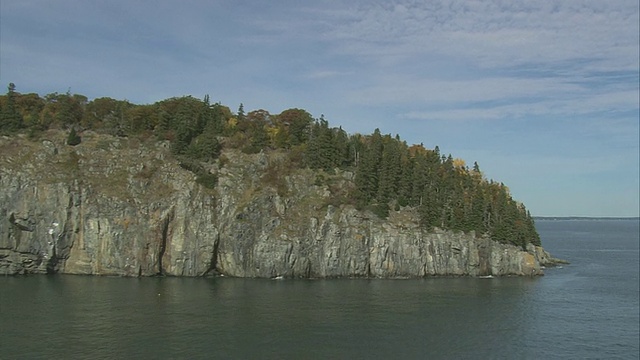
<point>388,173</point>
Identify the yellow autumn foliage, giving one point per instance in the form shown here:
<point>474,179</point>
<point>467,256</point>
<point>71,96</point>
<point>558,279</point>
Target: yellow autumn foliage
<point>459,163</point>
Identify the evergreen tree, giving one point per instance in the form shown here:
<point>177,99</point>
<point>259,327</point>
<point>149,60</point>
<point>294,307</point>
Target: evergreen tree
<point>367,171</point>
<point>241,114</point>
<point>356,147</point>
<point>405,187</point>
<point>343,154</point>
<point>205,147</point>
<point>390,171</point>
<point>476,214</point>
<point>10,118</point>
<point>532,233</point>
<point>312,156</point>
<point>419,178</point>
<point>73,139</point>
<point>328,149</point>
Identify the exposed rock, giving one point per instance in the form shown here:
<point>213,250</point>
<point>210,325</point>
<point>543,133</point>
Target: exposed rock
<point>544,258</point>
<point>113,206</point>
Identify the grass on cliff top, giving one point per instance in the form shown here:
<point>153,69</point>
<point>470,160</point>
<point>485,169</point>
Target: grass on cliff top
<point>16,152</point>
<point>112,166</point>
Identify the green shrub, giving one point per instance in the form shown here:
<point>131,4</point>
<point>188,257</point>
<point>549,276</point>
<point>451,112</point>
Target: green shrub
<point>73,139</point>
<point>207,180</point>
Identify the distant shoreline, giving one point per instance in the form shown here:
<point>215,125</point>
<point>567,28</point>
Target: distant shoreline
<point>559,218</point>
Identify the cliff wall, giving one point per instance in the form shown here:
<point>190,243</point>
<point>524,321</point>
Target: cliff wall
<point>118,206</point>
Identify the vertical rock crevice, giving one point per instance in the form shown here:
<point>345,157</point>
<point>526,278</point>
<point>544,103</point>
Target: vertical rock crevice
<point>484,257</point>
<point>52,262</point>
<point>164,239</point>
<point>213,264</point>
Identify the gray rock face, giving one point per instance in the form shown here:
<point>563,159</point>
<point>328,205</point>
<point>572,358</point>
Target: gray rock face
<point>113,206</point>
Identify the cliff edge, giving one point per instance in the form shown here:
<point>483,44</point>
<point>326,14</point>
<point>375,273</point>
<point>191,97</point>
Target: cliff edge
<point>121,206</point>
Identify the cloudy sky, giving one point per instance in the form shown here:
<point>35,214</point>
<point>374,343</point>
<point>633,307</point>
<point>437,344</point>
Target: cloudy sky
<point>544,95</point>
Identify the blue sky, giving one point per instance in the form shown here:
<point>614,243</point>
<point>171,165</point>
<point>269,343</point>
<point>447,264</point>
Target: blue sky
<point>544,95</point>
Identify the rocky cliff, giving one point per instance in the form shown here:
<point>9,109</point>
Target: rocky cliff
<point>118,206</point>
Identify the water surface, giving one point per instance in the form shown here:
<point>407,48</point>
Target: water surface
<point>588,309</point>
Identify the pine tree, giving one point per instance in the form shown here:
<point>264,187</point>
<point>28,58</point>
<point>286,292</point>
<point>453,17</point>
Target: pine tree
<point>241,114</point>
<point>533,235</point>
<point>419,179</point>
<point>405,186</point>
<point>344,156</point>
<point>367,174</point>
<point>327,151</point>
<point>10,118</point>
<point>73,139</point>
<point>390,171</point>
<point>477,210</point>
<point>312,158</point>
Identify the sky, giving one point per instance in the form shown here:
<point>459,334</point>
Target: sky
<point>543,94</point>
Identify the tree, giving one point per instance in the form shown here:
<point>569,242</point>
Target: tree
<point>71,108</point>
<point>240,115</point>
<point>405,186</point>
<point>215,117</point>
<point>73,139</point>
<point>313,157</point>
<point>296,124</point>
<point>10,118</point>
<point>322,152</point>
<point>205,147</point>
<point>29,107</point>
<point>367,174</point>
<point>344,156</point>
<point>390,170</point>
<point>142,118</point>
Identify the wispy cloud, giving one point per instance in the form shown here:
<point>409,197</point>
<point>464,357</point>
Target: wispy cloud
<point>575,105</point>
<point>322,74</point>
<point>495,33</point>
<point>511,50</point>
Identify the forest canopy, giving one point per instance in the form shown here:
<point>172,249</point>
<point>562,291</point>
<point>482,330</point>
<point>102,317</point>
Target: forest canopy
<point>389,173</point>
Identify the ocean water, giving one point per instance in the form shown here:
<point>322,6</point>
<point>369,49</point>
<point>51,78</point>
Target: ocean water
<point>588,309</point>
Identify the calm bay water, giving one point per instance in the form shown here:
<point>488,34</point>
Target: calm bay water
<point>588,309</point>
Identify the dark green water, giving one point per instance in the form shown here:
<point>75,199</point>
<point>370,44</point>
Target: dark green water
<point>588,309</point>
